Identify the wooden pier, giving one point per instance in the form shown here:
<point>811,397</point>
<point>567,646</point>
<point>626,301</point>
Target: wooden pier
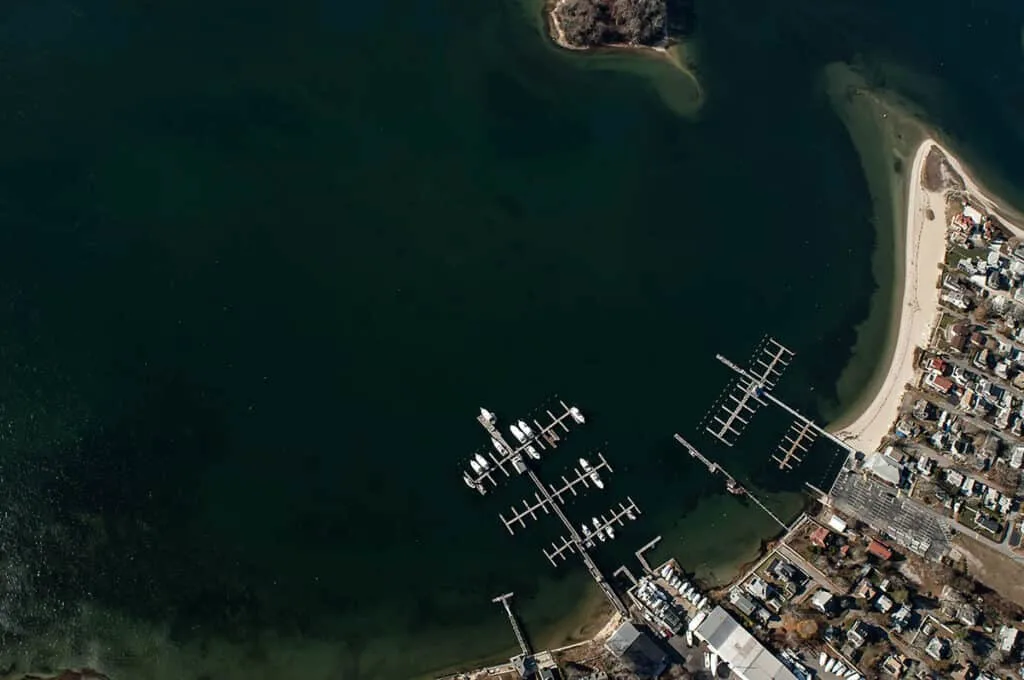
<point>715,468</point>
<point>799,438</point>
<point>550,499</point>
<point>520,638</point>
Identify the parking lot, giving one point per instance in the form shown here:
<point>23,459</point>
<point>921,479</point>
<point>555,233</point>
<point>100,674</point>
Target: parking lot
<point>878,505</point>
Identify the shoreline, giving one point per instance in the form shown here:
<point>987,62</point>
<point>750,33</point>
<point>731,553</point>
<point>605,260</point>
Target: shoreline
<point>923,253</point>
<point>669,53</point>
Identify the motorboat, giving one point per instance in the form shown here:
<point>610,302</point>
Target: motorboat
<point>666,571</point>
<point>481,461</point>
<point>518,434</point>
<point>852,674</point>
<point>532,451</point>
<point>499,447</point>
<point>475,465</point>
<point>829,664</point>
<point>597,529</point>
<point>689,638</point>
<point>588,469</point>
<point>469,482</point>
<point>629,515</point>
<point>576,415</point>
<point>702,602</point>
<point>707,659</point>
<point>714,665</point>
<point>526,429</point>
<point>586,535</point>
<point>486,415</point>
<point>608,530</point>
<point>696,621</point>
<point>821,659</point>
<point>841,670</point>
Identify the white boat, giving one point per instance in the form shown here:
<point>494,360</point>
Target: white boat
<point>517,433</point>
<point>532,451</point>
<point>597,529</point>
<point>629,515</point>
<point>821,659</point>
<point>852,674</point>
<point>475,465</point>
<point>840,669</point>
<point>469,482</point>
<point>576,415</point>
<point>696,621</point>
<point>590,543</point>
<point>487,415</point>
<point>608,530</point>
<point>714,664</point>
<point>707,659</point>
<point>498,447</point>
<point>666,571</point>
<point>526,429</point>
<point>689,638</point>
<point>829,664</point>
<point>702,602</point>
<point>481,461</point>
<point>588,469</point>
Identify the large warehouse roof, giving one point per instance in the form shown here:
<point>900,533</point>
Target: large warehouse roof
<point>747,657</point>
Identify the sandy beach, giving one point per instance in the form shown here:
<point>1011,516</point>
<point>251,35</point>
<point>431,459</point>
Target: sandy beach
<point>924,251</point>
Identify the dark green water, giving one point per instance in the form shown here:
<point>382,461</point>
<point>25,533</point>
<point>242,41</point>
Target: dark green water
<point>261,262</point>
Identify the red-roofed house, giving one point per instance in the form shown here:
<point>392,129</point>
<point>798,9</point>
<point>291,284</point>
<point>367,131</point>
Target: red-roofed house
<point>939,383</point>
<point>938,365</point>
<point>820,536</point>
<point>879,549</point>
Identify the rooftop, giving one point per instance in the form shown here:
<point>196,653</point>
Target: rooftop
<point>747,658</point>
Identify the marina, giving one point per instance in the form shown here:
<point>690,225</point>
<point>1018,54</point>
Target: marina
<point>550,499</point>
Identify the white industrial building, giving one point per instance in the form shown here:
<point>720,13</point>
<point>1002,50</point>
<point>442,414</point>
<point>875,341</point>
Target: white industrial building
<point>747,658</point>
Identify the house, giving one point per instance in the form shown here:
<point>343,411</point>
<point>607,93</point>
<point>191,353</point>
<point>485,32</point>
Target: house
<point>823,601</point>
<point>859,633</point>
<point>987,523</point>
<point>820,537</point>
<point>957,335</point>
<point>1007,639</point>
<point>864,590</point>
<point>938,648</point>
<point>879,549</point>
<point>939,383</point>
<point>759,588</point>
<point>884,604</point>
<point>903,615</point>
<point>937,365</point>
<point>743,604</point>
<point>968,615</point>
<point>894,665</point>
<point>785,571</point>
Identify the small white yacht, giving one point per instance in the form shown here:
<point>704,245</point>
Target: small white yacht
<point>714,665</point>
<point>630,516</point>
<point>481,461</point>
<point>821,659</point>
<point>707,659</point>
<point>532,451</point>
<point>526,429</point>
<point>702,602</point>
<point>475,465</point>
<point>518,434</point>
<point>689,638</point>
<point>666,571</point>
<point>598,531</point>
<point>611,532</point>
<point>588,469</point>
<point>487,415</point>
<point>468,480</point>
<point>576,415</point>
<point>498,447</point>
<point>586,535</point>
<point>830,664</point>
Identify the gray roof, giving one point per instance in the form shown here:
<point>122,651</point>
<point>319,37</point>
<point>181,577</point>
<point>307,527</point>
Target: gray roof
<point>747,658</point>
<point>637,651</point>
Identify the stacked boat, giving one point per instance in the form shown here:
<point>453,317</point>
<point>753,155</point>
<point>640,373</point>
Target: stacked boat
<point>837,668</point>
<point>658,607</point>
<point>686,590</point>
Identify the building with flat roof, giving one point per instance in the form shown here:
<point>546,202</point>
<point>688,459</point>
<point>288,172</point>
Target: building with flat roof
<point>637,651</point>
<point>747,658</point>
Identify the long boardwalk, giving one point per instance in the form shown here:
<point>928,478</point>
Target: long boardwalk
<point>715,468</point>
<point>520,638</point>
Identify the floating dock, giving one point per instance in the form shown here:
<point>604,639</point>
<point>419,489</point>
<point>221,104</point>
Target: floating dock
<point>549,499</point>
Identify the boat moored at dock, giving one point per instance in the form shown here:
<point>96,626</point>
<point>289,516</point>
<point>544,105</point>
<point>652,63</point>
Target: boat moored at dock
<point>517,433</point>
<point>588,469</point>
<point>525,429</point>
<point>576,415</point>
<point>487,415</point>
